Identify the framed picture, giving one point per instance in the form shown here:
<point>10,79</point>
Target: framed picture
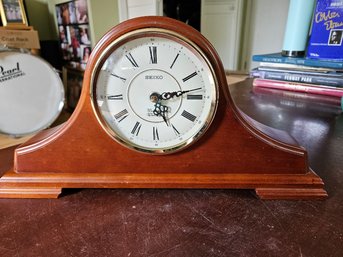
<point>13,13</point>
<point>74,32</point>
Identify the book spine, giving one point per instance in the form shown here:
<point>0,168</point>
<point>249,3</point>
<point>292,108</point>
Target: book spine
<point>298,87</point>
<point>302,69</point>
<point>280,65</point>
<point>300,77</point>
<point>298,61</point>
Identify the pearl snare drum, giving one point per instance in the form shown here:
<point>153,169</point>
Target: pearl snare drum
<point>31,94</point>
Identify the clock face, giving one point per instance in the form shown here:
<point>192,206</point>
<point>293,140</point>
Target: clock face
<point>154,91</point>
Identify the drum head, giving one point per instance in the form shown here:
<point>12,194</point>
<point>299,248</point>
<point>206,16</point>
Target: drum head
<point>31,94</point>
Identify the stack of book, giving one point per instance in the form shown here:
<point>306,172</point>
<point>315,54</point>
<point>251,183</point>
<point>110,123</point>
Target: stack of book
<point>300,74</point>
<point>321,71</point>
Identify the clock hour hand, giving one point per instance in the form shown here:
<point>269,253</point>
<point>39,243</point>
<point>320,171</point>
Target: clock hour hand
<point>169,95</point>
<point>161,110</point>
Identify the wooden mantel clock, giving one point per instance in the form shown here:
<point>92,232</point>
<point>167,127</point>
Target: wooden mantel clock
<point>156,112</point>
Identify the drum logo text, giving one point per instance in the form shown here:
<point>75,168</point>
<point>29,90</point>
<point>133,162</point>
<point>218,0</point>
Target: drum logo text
<point>7,74</point>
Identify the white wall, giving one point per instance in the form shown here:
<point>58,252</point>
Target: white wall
<point>39,17</point>
<point>226,15</point>
<point>267,26</point>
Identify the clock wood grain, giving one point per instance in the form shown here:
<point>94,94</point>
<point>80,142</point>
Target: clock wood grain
<point>235,152</point>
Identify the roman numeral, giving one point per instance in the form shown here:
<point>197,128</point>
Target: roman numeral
<point>136,128</point>
<point>115,97</point>
<point>189,76</point>
<point>155,135</point>
<point>171,66</point>
<point>121,115</point>
<point>175,130</point>
<point>188,116</point>
<point>153,54</point>
<point>131,59</point>
<point>123,79</point>
<point>194,97</point>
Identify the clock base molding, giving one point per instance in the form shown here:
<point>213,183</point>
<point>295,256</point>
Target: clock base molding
<point>266,186</point>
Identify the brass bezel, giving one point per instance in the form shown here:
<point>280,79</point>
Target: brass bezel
<point>151,32</point>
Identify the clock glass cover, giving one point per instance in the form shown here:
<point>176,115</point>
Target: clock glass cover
<point>154,91</point>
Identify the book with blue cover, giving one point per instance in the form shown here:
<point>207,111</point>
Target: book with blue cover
<point>303,61</point>
<point>326,40</point>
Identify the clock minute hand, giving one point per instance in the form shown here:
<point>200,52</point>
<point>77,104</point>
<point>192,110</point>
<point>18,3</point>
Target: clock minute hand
<point>169,95</point>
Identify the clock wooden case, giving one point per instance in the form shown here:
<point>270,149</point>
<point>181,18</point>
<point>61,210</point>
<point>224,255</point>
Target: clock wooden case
<point>229,149</point>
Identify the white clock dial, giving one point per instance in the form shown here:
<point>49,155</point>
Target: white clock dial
<point>154,92</point>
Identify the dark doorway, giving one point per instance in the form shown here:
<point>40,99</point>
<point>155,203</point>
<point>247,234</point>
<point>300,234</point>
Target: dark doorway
<point>187,11</point>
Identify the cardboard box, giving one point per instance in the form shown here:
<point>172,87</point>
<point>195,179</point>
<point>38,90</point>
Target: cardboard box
<point>19,38</point>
